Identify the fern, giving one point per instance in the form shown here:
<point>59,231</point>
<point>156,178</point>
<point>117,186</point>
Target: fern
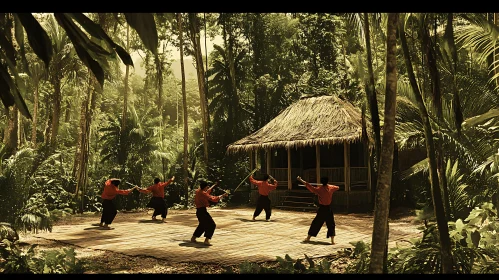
<point>458,197</point>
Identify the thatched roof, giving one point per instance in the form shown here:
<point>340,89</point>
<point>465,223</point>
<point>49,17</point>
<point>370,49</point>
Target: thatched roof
<point>307,122</point>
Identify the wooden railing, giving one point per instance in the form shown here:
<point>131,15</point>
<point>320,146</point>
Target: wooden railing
<point>358,174</point>
<point>336,175</point>
<point>281,175</point>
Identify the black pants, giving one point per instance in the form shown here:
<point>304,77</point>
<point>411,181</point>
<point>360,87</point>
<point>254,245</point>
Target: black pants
<point>108,211</point>
<point>263,203</point>
<point>206,223</point>
<point>159,205</point>
<point>324,214</point>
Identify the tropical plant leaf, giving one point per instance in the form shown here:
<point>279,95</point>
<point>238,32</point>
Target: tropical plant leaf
<point>421,166</point>
<point>19,34</point>
<point>5,94</point>
<point>475,120</point>
<point>38,38</point>
<point>449,46</point>
<point>145,26</point>
<point>81,44</point>
<point>14,90</point>
<point>10,52</point>
<point>96,30</point>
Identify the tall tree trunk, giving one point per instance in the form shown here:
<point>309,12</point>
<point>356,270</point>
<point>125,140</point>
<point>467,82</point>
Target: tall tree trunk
<point>35,114</point>
<point>125,91</point>
<point>371,90</point>
<point>10,134</point>
<point>198,57</point>
<point>431,63</point>
<point>83,148</point>
<point>82,178</point>
<point>372,101</point>
<point>20,130</point>
<point>159,84</point>
<point>184,107</point>
<point>445,244</point>
<point>382,203</point>
<point>232,70</point>
<point>56,110</point>
<point>67,114</point>
<point>258,45</point>
<point>80,147</point>
<point>122,152</point>
<point>496,53</point>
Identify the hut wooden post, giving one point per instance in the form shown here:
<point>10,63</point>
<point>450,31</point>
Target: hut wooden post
<point>301,159</point>
<point>318,163</point>
<point>269,158</point>
<point>251,160</point>
<point>290,185</point>
<point>302,174</point>
<point>346,153</point>
<point>256,159</point>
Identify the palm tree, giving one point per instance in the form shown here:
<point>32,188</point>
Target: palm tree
<point>184,107</point>
<point>196,44</point>
<point>57,71</point>
<point>431,154</point>
<point>382,203</point>
<point>127,71</point>
<point>371,90</point>
<point>37,73</point>
<point>225,105</point>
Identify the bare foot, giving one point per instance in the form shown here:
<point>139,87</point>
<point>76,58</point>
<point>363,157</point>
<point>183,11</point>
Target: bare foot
<point>207,243</point>
<point>193,239</point>
<point>306,240</point>
<point>154,218</point>
<point>163,221</point>
<point>253,219</point>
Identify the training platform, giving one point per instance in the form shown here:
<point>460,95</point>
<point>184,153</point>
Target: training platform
<point>236,239</point>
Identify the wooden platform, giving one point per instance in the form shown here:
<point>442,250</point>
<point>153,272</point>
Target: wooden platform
<point>236,237</point>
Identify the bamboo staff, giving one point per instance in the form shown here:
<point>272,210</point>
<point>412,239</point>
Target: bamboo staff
<point>135,187</point>
<point>251,173</point>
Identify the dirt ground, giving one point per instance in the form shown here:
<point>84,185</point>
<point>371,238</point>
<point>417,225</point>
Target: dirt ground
<point>106,262</point>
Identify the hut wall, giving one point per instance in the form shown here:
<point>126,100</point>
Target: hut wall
<point>360,201</point>
<point>276,197</point>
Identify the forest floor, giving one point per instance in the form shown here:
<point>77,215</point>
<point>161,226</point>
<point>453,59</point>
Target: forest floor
<point>108,261</point>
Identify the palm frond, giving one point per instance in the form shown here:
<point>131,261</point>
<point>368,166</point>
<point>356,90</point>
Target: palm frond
<point>421,166</point>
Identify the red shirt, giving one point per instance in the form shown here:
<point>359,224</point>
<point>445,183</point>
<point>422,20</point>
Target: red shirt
<point>263,186</point>
<point>158,190</point>
<point>110,191</point>
<point>325,193</point>
<point>203,198</point>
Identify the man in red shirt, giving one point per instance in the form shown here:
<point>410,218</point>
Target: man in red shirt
<point>324,213</point>
<point>202,201</point>
<point>108,208</point>
<point>264,188</point>
<point>158,198</point>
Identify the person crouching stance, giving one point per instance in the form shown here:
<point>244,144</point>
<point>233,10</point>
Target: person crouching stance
<point>206,224</point>
<point>264,188</point>
<point>108,208</point>
<point>324,213</point>
<point>158,198</point>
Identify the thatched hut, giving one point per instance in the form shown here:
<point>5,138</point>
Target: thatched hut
<point>315,137</point>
